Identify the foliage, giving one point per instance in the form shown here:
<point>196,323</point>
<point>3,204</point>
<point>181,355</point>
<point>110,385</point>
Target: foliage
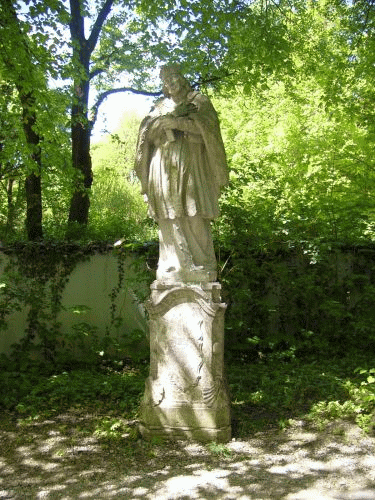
<point>113,429</point>
<point>261,43</point>
<point>359,407</point>
<point>35,393</point>
<point>264,394</point>
<point>219,449</point>
<point>291,304</point>
<point>298,210</point>
<point>105,48</point>
<point>298,172</point>
<point>117,207</point>
<point>318,391</point>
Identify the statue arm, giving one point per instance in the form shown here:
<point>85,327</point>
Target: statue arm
<point>144,151</point>
<point>183,123</point>
<point>186,125</point>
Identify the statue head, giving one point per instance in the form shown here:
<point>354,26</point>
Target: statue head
<point>169,72</point>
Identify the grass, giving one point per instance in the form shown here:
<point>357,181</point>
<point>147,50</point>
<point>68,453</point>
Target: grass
<point>31,394</point>
<point>265,394</point>
<point>317,391</point>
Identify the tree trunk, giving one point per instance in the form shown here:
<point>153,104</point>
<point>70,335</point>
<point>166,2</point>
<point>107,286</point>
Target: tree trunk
<point>81,125</point>
<point>33,184</point>
<point>81,159</point>
<point>33,188</point>
<point>25,82</point>
<point>10,207</point>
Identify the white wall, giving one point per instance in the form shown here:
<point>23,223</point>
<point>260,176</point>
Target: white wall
<point>90,285</point>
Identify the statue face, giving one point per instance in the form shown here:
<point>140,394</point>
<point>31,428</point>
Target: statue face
<point>174,84</point>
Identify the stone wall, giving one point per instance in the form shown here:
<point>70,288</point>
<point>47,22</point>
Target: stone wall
<point>87,298</point>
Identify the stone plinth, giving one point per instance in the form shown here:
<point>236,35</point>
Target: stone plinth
<point>186,393</point>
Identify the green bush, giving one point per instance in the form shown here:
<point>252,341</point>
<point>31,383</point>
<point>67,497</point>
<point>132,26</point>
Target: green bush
<point>285,303</point>
<point>274,393</point>
<point>58,392</point>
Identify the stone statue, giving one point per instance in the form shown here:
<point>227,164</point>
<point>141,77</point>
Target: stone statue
<point>181,164</point>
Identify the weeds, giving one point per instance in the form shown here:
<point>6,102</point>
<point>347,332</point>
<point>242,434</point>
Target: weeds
<point>264,394</point>
<point>273,394</point>
<point>53,394</point>
<point>359,406</point>
<point>219,449</point>
<point>113,429</point>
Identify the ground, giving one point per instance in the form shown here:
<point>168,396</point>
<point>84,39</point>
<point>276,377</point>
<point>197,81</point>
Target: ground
<point>65,458</point>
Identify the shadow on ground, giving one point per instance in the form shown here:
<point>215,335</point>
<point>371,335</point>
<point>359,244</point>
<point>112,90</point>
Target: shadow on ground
<point>58,459</point>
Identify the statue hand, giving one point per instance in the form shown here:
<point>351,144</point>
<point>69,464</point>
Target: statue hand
<point>168,122</point>
<point>185,109</point>
<point>191,108</point>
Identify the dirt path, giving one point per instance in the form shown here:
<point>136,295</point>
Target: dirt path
<point>60,459</point>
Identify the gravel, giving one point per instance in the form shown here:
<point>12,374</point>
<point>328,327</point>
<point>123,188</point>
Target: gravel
<point>61,459</point>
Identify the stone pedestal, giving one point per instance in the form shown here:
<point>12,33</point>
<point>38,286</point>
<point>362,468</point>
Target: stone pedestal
<point>186,393</point>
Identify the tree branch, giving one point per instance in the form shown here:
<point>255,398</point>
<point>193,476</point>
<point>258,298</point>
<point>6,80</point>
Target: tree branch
<point>104,95</point>
<point>106,62</point>
<point>96,72</point>
<point>95,32</point>
<point>211,79</point>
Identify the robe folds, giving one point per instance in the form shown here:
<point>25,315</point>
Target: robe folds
<point>182,170</point>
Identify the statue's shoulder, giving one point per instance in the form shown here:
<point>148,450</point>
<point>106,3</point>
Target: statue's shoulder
<point>195,95</point>
<point>199,98</point>
<point>202,101</point>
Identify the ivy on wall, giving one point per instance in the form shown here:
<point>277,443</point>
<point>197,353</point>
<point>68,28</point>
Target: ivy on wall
<point>289,303</point>
<point>34,279</point>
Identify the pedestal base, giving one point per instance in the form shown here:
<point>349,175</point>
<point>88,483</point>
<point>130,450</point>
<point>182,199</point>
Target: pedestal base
<point>159,423</point>
<point>186,393</point>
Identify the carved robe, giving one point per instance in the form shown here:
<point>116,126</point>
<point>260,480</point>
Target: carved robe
<point>182,177</point>
<point>181,172</point>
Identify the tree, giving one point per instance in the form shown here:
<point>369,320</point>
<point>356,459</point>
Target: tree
<point>22,73</point>
<point>117,207</point>
<point>128,41</point>
<point>80,125</point>
<point>123,45</point>
<point>115,47</point>
<point>106,46</point>
<point>302,149</point>
<point>10,158</point>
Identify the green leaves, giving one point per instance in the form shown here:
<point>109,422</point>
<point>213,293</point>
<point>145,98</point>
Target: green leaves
<point>117,207</point>
<point>300,171</point>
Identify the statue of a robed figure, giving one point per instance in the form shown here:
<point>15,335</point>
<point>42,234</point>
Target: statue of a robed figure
<point>181,163</point>
<point>182,166</point>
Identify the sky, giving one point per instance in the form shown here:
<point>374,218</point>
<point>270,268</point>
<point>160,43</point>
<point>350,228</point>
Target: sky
<point>114,108</point>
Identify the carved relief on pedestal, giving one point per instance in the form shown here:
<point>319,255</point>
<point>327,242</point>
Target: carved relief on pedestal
<point>186,371</point>
<point>215,396</point>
